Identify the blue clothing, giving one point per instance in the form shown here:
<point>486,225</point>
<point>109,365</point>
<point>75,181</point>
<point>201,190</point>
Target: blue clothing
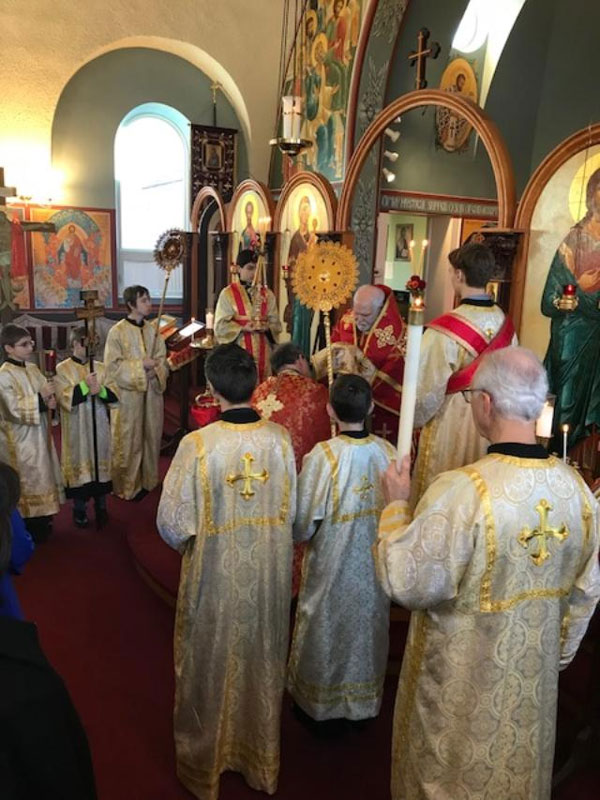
<point>22,548</point>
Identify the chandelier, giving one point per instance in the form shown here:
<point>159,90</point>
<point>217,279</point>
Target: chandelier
<point>292,68</point>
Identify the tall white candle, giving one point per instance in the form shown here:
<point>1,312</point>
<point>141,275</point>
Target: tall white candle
<point>210,320</point>
<point>411,373</point>
<point>565,433</point>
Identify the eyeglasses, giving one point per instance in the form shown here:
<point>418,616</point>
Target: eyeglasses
<point>466,393</point>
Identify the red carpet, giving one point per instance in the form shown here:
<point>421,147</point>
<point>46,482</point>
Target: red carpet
<point>109,636</point>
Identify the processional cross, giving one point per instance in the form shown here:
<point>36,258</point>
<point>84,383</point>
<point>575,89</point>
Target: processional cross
<point>247,476</point>
<point>421,54</point>
<point>543,532</point>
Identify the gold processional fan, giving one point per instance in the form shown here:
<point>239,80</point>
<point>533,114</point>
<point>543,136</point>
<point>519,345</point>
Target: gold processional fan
<point>169,253</point>
<point>323,278</point>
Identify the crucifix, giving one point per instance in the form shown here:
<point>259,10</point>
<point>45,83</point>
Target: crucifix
<point>89,313</point>
<point>248,476</point>
<point>543,532</point>
<point>214,87</point>
<point>421,54</point>
<point>8,291</point>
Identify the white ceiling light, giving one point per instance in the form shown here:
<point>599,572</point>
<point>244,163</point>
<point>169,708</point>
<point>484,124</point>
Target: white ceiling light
<point>392,134</point>
<point>474,26</point>
<point>391,156</point>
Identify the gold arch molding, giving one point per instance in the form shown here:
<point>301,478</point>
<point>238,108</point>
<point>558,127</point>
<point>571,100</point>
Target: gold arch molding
<point>486,129</point>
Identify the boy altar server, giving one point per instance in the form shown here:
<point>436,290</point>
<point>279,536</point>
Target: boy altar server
<point>340,645</point>
<point>75,386</point>
<point>138,369</point>
<point>25,397</point>
<point>227,505</point>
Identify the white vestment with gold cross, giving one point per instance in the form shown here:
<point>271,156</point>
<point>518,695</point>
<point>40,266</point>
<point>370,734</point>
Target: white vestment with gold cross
<point>500,567</point>
<point>340,644</point>
<point>448,438</point>
<point>227,505</point>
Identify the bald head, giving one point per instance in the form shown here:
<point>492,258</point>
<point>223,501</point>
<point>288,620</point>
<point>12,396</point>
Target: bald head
<point>368,301</point>
<point>515,380</point>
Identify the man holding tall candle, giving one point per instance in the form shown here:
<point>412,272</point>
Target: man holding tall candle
<point>499,564</point>
<point>452,348</point>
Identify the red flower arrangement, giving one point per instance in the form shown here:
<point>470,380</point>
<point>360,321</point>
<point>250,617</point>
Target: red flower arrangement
<point>415,284</point>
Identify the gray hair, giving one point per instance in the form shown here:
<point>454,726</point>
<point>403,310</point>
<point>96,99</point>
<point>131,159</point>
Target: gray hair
<point>515,380</point>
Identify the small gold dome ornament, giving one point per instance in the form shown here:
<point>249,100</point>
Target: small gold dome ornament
<point>169,251</point>
<point>325,275</point>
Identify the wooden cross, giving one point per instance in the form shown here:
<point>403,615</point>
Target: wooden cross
<point>543,532</point>
<point>248,476</point>
<point>364,488</point>
<point>421,54</point>
<point>89,314</point>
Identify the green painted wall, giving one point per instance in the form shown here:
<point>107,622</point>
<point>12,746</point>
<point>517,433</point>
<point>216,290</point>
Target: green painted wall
<point>100,94</point>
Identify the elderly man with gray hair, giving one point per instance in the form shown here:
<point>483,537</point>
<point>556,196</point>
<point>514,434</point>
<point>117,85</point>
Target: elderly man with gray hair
<point>500,565</point>
<point>368,341</point>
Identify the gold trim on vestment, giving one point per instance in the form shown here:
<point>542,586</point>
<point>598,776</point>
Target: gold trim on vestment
<point>348,692</point>
<point>335,489</point>
<point>407,690</point>
<point>383,376</point>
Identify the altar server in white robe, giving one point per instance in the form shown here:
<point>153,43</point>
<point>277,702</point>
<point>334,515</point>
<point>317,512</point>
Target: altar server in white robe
<point>227,505</point>
<point>340,644</point>
<point>500,566</point>
<point>452,347</point>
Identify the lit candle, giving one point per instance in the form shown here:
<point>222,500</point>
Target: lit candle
<point>570,290</point>
<point>411,373</point>
<point>210,320</point>
<point>565,433</point>
<point>411,247</point>
<point>543,426</point>
<point>424,244</point>
<point>50,362</point>
<point>192,323</point>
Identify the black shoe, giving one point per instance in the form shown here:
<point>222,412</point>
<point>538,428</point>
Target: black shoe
<point>140,495</point>
<point>101,517</point>
<point>80,519</point>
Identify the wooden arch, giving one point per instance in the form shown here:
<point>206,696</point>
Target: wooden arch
<point>587,137</point>
<point>320,183</point>
<point>206,193</point>
<point>250,185</point>
<point>483,125</point>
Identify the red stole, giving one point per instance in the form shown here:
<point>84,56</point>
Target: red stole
<point>474,341</point>
<point>254,343</point>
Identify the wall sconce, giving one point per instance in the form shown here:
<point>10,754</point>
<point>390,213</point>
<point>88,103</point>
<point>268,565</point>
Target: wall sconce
<point>393,135</point>
<point>391,156</point>
<point>388,174</point>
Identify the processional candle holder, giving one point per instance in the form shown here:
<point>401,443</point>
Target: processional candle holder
<point>568,300</point>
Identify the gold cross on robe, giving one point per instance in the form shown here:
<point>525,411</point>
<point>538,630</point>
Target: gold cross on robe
<point>386,336</point>
<point>543,532</point>
<point>268,405</point>
<point>364,488</point>
<point>247,476</point>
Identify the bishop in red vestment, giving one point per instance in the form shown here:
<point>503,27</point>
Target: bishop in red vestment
<point>371,335</point>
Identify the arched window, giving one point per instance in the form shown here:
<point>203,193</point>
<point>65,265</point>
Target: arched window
<point>152,192</point>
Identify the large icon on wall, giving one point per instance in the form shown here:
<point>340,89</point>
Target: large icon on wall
<point>80,255</point>
<point>323,71</point>
<point>453,130</point>
<point>249,208</point>
<point>303,217</point>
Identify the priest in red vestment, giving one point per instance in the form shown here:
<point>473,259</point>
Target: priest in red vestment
<point>368,340</point>
<point>293,399</point>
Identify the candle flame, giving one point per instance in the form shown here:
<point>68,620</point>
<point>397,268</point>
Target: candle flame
<point>424,243</point>
<point>412,243</point>
<point>565,428</point>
